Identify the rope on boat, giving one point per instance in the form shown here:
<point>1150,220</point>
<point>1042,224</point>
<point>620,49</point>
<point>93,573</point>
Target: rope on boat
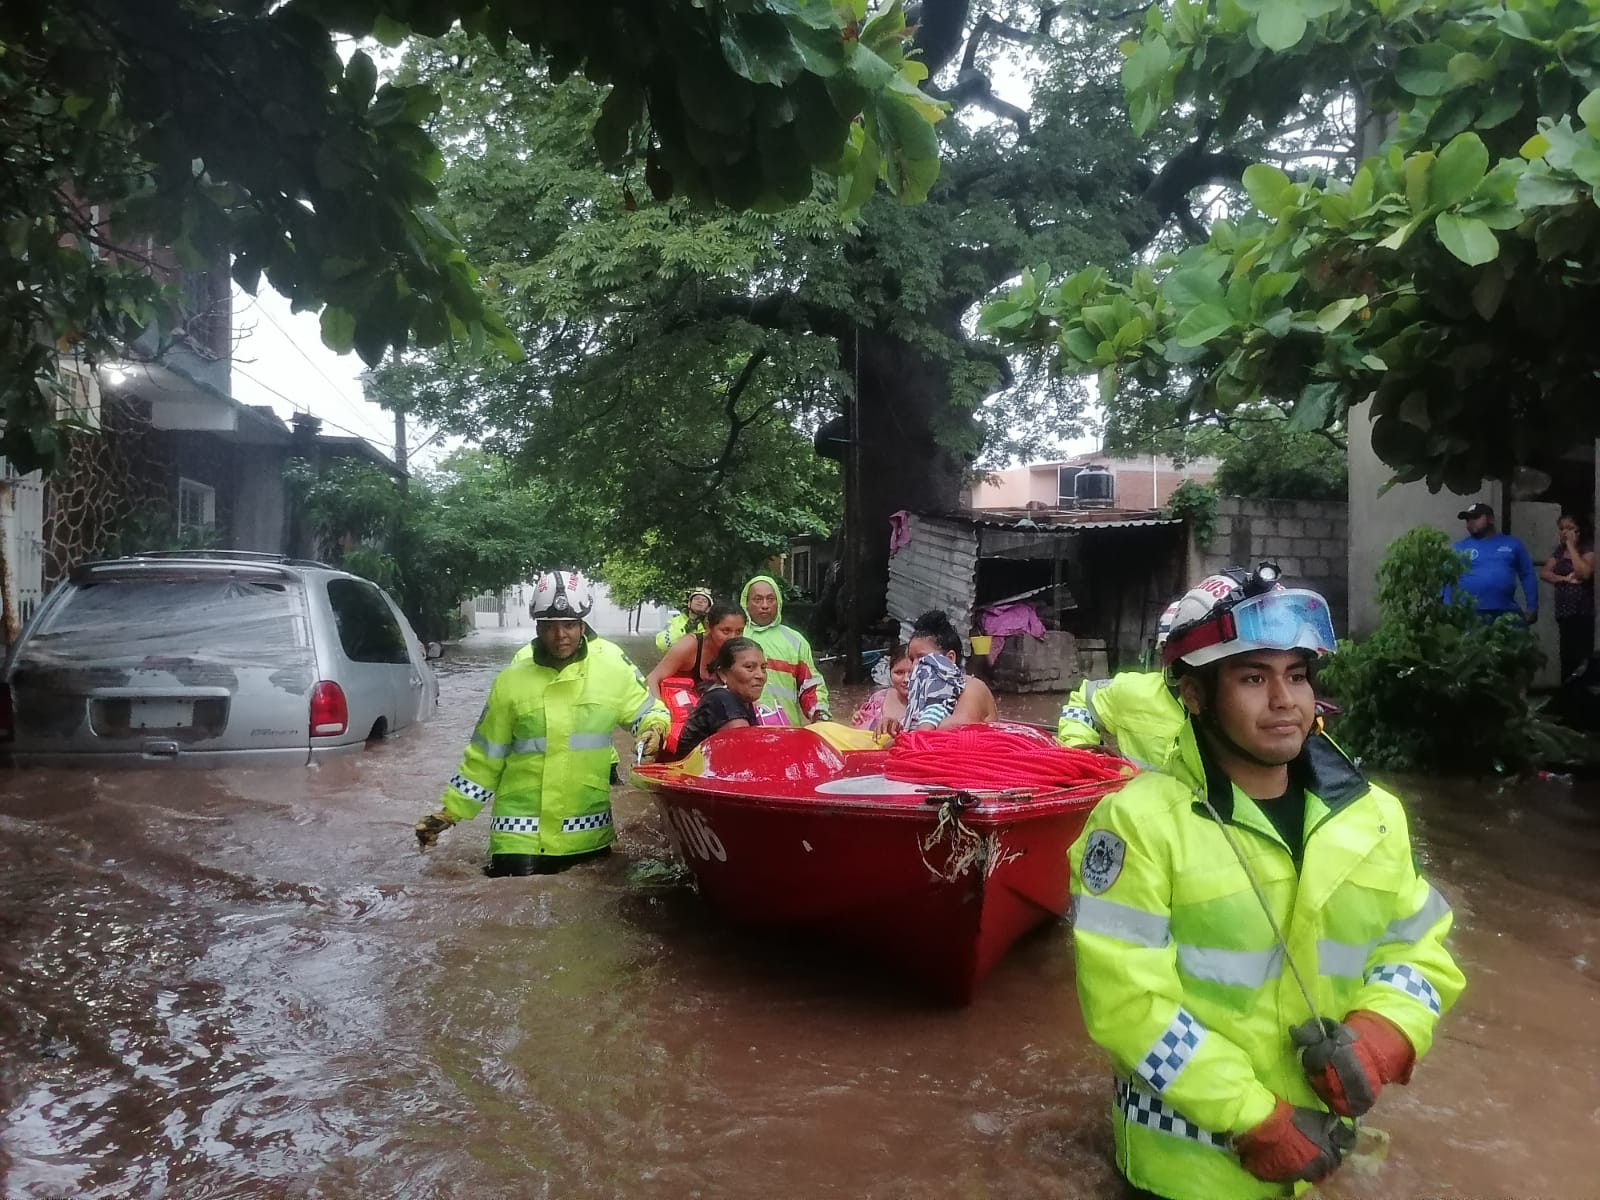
<point>983,758</point>
<point>967,850</point>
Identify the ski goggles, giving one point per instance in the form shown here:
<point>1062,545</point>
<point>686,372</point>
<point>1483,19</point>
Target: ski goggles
<point>1286,619</point>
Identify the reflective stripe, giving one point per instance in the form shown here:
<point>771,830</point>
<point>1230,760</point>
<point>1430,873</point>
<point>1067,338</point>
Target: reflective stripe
<point>1081,715</point>
<point>514,825</point>
<point>1410,929</point>
<point>644,711</point>
<point>1139,1107</point>
<point>813,681</point>
<point>477,793</point>
<point>592,821</point>
<point>1093,686</point>
<point>1343,959</point>
<point>1171,1052</point>
<point>490,749</point>
<point>777,683</point>
<point>1403,977</point>
<point>1236,968</point>
<point>589,741</point>
<point>528,746</point>
<point>1092,914</point>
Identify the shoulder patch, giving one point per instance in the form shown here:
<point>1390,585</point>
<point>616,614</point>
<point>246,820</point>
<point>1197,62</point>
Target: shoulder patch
<point>1102,860</point>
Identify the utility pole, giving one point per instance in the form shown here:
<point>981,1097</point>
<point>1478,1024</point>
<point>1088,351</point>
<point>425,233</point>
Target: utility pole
<point>400,449</point>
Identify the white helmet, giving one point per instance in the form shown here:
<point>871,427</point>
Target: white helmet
<point>1236,611</point>
<point>1169,614</point>
<point>561,596</point>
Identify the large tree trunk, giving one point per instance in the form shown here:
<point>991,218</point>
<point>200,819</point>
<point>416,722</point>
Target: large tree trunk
<point>907,427</point>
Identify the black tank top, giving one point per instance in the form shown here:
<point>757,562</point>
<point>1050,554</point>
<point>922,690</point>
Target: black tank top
<point>702,680</point>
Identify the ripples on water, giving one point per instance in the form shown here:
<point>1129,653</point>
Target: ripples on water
<point>249,985</point>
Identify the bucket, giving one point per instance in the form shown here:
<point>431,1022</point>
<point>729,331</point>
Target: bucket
<point>981,643</point>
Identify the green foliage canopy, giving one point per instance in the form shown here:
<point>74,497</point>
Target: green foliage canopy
<point>1450,276</point>
<point>234,129</point>
<point>680,361</point>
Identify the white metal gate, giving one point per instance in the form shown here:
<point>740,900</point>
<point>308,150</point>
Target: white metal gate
<point>22,515</point>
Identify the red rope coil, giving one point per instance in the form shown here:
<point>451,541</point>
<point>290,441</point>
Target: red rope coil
<point>984,758</point>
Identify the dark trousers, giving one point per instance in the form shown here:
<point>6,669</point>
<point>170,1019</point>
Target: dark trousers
<point>1577,641</point>
<point>538,864</point>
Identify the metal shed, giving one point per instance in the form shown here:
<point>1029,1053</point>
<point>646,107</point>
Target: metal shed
<point>1099,580</point>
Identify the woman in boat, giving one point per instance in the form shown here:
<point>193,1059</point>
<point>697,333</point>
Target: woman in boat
<point>691,656</point>
<point>886,704</point>
<point>941,695</point>
<point>740,670</point>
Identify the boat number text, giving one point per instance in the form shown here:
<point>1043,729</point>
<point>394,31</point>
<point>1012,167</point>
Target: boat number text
<point>697,834</point>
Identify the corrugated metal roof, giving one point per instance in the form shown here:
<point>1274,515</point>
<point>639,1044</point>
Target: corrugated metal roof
<point>1058,522</point>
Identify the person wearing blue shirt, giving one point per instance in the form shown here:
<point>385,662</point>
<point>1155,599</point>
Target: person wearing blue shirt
<point>1496,563</point>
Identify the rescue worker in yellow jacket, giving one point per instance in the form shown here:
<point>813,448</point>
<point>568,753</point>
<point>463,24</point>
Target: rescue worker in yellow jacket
<point>540,754</point>
<point>794,685</point>
<point>691,620</point>
<point>1133,712</point>
<point>1255,949</point>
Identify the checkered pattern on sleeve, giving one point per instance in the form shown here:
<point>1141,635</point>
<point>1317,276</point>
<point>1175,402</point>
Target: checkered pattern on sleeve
<point>1081,715</point>
<point>477,793</point>
<point>1405,978</point>
<point>592,821</point>
<point>1141,1108</point>
<point>1172,1051</point>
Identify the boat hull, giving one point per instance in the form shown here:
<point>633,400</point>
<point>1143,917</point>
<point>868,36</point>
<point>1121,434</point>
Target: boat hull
<point>937,887</point>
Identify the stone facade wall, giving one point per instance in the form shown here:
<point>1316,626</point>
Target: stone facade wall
<point>1310,539</point>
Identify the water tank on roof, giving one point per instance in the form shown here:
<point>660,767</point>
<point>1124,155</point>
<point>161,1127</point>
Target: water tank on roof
<point>1095,487</point>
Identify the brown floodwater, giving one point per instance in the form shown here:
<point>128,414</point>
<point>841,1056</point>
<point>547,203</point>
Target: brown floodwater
<point>249,984</point>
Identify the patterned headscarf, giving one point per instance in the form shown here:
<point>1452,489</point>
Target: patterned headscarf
<point>936,683</point>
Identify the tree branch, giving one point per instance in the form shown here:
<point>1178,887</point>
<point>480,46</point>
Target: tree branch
<point>938,25</point>
<point>973,87</point>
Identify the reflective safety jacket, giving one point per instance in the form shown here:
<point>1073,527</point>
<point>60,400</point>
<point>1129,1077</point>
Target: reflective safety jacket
<point>1135,708</point>
<point>677,628</point>
<point>1183,983</point>
<point>794,685</point>
<point>541,754</point>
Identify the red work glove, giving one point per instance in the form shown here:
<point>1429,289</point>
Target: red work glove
<point>1348,1064</point>
<point>1294,1144</point>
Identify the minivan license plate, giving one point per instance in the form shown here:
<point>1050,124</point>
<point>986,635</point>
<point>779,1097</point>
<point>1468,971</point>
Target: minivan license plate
<point>161,714</point>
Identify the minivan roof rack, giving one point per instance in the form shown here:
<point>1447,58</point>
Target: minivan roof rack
<point>255,556</point>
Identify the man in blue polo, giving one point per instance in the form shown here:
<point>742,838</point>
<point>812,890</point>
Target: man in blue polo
<point>1496,562</point>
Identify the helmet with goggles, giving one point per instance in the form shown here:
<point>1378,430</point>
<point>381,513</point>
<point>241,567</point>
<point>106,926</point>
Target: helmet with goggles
<point>561,596</point>
<point>1239,611</point>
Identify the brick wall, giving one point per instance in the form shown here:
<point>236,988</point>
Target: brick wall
<point>1310,540</point>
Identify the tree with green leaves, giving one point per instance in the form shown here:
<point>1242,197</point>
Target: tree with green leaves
<point>233,130</point>
<point>1448,275</point>
<point>679,362</point>
<point>460,530</point>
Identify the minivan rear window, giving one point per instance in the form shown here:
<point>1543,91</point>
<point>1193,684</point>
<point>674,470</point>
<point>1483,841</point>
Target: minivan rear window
<point>136,622</point>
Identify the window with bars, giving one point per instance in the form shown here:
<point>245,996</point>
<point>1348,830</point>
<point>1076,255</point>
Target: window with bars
<point>197,506</point>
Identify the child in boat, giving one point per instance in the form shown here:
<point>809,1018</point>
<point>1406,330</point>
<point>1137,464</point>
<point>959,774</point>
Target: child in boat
<point>941,695</point>
<point>886,704</point>
<point>730,702</point>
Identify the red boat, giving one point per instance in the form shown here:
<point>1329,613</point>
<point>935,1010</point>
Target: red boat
<point>782,829</point>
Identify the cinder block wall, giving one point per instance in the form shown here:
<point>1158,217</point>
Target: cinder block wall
<point>1310,540</point>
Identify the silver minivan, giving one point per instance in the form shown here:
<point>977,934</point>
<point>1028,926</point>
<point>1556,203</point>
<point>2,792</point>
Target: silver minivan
<point>211,658</point>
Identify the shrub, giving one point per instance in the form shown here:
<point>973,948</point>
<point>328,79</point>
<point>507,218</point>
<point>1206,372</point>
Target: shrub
<point>1435,687</point>
<point>1195,504</point>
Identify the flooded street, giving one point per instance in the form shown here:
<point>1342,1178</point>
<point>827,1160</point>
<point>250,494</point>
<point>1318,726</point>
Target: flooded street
<point>250,984</point>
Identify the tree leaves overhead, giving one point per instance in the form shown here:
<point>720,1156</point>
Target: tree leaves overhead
<point>1451,276</point>
<point>234,131</point>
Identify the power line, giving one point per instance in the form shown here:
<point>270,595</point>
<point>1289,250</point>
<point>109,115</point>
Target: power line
<point>315,366</point>
<point>377,443</point>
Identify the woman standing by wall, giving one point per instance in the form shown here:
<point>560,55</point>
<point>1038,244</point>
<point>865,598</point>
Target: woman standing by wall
<point>1570,570</point>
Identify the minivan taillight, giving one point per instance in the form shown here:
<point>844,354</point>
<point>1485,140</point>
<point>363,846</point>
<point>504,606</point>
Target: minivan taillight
<point>7,724</point>
<point>330,715</point>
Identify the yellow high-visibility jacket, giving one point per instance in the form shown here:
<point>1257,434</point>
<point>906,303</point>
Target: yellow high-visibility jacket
<point>541,754</point>
<point>680,626</point>
<point>1135,709</point>
<point>1183,983</point>
<point>794,685</point>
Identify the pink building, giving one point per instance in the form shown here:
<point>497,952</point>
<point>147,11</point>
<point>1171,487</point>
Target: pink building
<point>1136,483</point>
